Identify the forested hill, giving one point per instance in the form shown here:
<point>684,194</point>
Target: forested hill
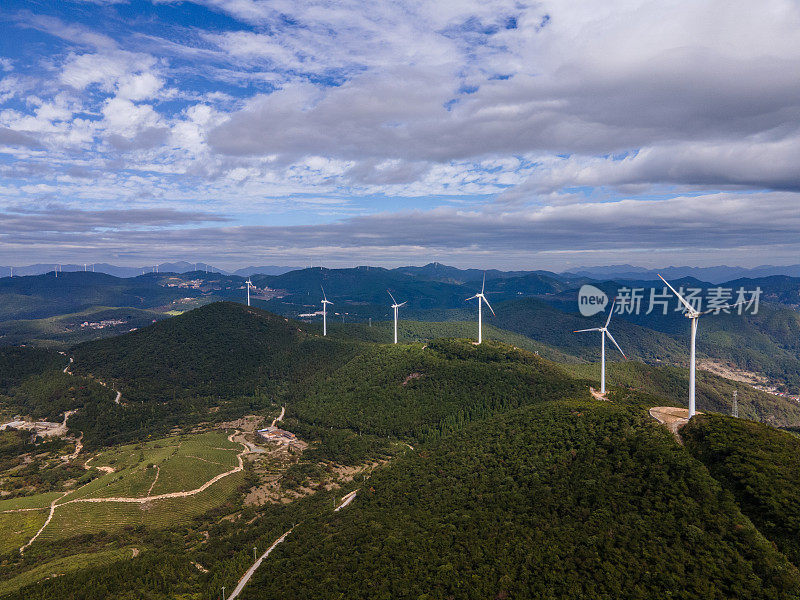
<point>571,500</point>
<point>222,349</point>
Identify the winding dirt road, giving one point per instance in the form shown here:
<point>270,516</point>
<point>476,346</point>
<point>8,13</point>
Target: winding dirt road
<point>279,417</point>
<point>138,500</point>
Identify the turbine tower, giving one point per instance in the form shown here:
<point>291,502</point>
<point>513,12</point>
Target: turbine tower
<point>603,333</point>
<point>481,299</point>
<point>248,283</point>
<point>325,303</point>
<point>395,306</point>
<point>693,314</point>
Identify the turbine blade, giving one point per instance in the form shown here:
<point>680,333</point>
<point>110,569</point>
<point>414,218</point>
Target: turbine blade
<point>489,305</point>
<point>483,285</point>
<point>610,311</point>
<point>582,330</point>
<point>324,297</point>
<point>403,304</point>
<point>392,297</point>
<point>471,298</point>
<point>611,337</point>
<point>688,306</point>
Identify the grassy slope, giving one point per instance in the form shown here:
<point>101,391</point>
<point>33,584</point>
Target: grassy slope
<point>19,527</point>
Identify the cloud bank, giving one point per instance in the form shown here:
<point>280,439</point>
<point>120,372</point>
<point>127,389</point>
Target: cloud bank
<point>484,131</point>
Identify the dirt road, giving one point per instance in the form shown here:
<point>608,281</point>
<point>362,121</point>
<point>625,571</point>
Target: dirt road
<point>141,500</point>
<point>279,417</point>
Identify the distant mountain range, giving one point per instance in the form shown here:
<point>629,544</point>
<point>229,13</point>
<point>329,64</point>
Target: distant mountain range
<point>117,271</point>
<point>717,274</point>
<point>438,271</point>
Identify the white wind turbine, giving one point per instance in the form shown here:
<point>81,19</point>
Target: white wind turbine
<point>248,283</point>
<point>325,303</point>
<point>395,306</point>
<point>481,299</point>
<point>693,314</point>
<point>603,333</point>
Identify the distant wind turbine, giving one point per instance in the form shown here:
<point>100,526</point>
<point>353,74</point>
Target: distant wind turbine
<point>693,314</point>
<point>481,299</point>
<point>248,283</point>
<point>603,333</point>
<point>395,306</point>
<point>325,303</point>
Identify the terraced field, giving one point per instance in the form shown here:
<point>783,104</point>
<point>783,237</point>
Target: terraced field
<point>37,501</point>
<point>162,466</point>
<point>19,527</point>
<point>121,496</point>
<point>86,517</point>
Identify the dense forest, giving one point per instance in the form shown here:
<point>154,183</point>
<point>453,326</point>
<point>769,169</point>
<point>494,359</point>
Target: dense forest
<point>221,349</point>
<point>760,466</point>
<point>561,500</point>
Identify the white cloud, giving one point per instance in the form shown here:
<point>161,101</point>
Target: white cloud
<point>123,117</point>
<point>141,86</point>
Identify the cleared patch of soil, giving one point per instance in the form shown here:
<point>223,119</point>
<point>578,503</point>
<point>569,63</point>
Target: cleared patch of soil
<point>672,417</point>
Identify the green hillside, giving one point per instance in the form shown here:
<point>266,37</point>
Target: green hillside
<point>221,349</point>
<point>423,331</point>
<point>63,331</point>
<point>517,485</point>
<point>540,321</point>
<point>760,466</point>
<point>714,393</point>
<point>416,392</point>
<point>41,296</point>
<point>564,500</point>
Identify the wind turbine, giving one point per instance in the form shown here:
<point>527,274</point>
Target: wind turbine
<point>395,306</point>
<point>481,299</point>
<point>603,333</point>
<point>325,302</point>
<point>248,283</point>
<point>693,314</point>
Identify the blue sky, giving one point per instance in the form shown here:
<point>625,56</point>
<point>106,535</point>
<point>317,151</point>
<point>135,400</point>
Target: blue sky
<point>482,133</point>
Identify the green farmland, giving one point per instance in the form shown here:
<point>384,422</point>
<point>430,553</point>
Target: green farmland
<point>132,473</point>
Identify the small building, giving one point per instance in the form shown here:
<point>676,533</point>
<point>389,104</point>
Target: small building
<point>275,434</point>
